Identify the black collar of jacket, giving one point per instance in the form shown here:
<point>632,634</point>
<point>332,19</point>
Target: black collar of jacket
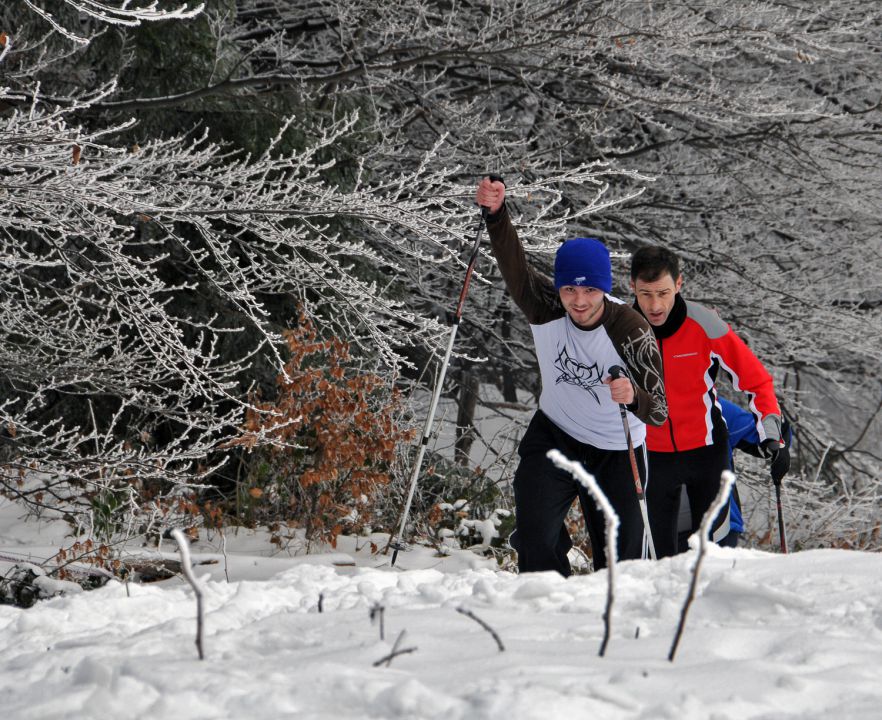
<point>675,319</point>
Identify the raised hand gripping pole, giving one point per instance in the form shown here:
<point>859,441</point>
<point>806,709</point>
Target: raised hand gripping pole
<point>397,545</point>
<point>616,372</point>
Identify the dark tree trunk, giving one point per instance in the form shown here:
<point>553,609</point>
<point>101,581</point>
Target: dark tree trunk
<point>465,416</point>
<point>509,389</point>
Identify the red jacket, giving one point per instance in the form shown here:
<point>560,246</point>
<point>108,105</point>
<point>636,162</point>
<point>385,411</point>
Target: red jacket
<point>694,342</point>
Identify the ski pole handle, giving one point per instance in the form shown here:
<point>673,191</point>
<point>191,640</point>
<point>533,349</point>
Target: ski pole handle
<point>485,211</point>
<point>616,372</point>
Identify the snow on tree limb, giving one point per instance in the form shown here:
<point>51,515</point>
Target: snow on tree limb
<point>612,529</point>
<point>727,480</point>
<point>152,268</point>
<point>187,570</point>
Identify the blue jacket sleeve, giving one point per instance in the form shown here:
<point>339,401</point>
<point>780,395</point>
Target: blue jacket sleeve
<point>742,427</point>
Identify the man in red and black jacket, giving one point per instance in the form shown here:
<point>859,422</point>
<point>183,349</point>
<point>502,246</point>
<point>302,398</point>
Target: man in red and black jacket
<point>691,447</point>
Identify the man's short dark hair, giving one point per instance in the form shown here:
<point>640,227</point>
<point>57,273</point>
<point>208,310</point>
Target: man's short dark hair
<point>650,262</point>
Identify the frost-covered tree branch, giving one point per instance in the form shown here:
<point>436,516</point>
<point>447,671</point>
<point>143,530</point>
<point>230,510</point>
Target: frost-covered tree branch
<point>612,531</point>
<point>726,482</point>
<point>170,198</point>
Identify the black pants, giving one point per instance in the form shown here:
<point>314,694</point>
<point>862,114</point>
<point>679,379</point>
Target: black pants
<point>732,537</point>
<point>699,470</point>
<point>544,494</point>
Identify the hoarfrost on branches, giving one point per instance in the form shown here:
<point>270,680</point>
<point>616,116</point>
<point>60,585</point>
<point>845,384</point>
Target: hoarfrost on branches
<point>149,265</point>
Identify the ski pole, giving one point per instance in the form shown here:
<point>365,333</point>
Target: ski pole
<point>781,531</point>
<point>616,372</point>
<point>439,383</point>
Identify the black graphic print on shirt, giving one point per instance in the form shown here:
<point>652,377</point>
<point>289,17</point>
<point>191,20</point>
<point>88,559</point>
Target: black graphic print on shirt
<point>573,372</point>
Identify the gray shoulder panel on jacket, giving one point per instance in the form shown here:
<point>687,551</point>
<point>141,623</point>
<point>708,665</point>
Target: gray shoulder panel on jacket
<point>710,322</point>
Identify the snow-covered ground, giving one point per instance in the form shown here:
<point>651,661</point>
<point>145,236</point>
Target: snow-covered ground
<point>769,636</point>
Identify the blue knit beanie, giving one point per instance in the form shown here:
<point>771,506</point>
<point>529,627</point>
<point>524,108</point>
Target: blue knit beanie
<point>584,262</point>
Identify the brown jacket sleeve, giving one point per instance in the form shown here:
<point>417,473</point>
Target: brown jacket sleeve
<point>634,341</point>
<point>531,291</point>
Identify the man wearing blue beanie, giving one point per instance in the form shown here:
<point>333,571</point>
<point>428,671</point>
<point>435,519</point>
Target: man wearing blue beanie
<point>583,262</point>
<point>579,331</point>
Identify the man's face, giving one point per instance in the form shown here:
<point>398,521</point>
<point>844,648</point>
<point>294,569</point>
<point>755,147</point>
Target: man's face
<point>656,298</point>
<point>583,304</point>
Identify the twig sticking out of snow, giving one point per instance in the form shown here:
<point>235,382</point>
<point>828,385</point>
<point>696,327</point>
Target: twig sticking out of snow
<point>224,551</point>
<point>612,532</point>
<point>187,569</point>
<point>469,613</point>
<point>395,651</point>
<point>722,497</point>
<point>377,612</point>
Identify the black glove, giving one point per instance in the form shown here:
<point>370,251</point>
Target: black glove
<point>779,459</point>
<point>780,465</point>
